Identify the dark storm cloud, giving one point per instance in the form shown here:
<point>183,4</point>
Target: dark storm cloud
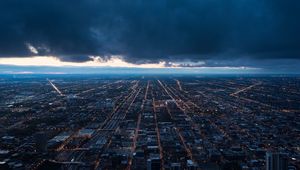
<point>151,30</point>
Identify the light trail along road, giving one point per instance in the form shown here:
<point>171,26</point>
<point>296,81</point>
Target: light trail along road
<point>245,89</point>
<point>55,88</point>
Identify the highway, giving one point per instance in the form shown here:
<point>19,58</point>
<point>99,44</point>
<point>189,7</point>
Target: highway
<point>245,89</point>
<point>55,88</point>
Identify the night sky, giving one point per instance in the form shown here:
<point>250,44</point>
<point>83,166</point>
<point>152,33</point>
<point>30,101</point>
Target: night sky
<point>262,34</point>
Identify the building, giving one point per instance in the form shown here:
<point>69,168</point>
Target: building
<point>153,162</point>
<point>276,161</point>
<point>41,140</point>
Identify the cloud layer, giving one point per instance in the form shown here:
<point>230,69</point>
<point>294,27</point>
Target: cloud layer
<point>145,31</point>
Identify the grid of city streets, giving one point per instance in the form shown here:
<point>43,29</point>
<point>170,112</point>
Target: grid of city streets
<point>142,122</point>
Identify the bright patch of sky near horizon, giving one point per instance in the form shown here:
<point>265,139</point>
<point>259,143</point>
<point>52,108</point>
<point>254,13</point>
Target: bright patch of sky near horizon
<point>97,61</point>
<point>55,62</point>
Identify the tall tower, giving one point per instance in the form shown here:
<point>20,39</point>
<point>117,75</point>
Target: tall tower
<point>41,141</point>
<point>276,161</point>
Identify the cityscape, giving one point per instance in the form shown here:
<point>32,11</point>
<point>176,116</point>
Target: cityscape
<point>137,122</point>
<point>149,85</point>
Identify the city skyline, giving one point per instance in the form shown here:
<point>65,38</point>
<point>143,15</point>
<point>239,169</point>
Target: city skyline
<point>150,122</point>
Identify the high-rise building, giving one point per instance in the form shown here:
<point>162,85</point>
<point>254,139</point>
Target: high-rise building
<point>41,141</point>
<point>153,162</point>
<point>276,161</point>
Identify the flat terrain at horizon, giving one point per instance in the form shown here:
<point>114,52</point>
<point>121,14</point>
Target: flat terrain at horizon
<point>125,122</point>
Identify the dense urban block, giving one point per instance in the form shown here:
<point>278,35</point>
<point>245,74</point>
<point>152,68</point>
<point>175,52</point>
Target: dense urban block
<point>149,122</point>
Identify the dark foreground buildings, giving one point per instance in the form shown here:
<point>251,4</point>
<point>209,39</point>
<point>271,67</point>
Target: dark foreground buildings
<point>137,122</point>
<point>276,161</point>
